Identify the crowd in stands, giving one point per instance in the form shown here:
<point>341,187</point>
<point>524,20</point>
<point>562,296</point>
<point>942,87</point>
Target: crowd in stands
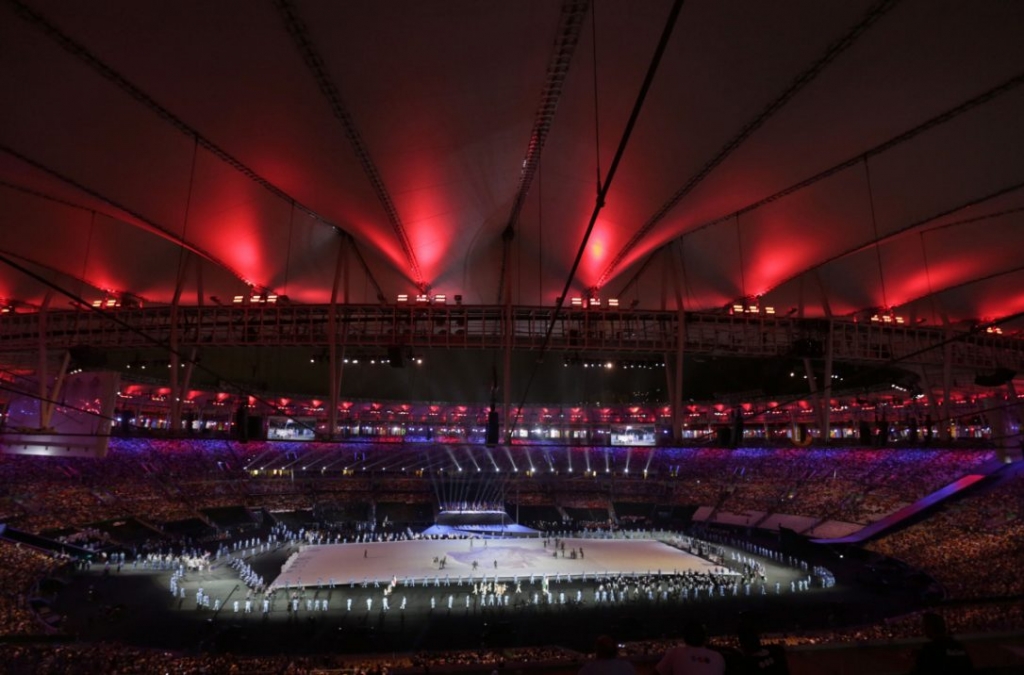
<point>160,481</point>
<point>852,486</point>
<point>58,659</point>
<point>21,567</point>
<point>113,658</point>
<point>973,547</point>
<point>124,660</point>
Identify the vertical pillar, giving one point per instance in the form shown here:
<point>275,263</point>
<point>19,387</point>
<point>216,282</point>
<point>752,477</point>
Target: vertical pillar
<point>812,384</point>
<point>41,369</point>
<point>665,269</point>
<point>186,380</point>
<point>675,383</point>
<point>669,379</point>
<point>825,306</point>
<point>506,378</point>
<point>334,363</point>
<point>46,406</point>
<point>933,402</point>
<point>826,398</point>
<point>174,413</point>
<point>507,360</point>
<point>174,425</point>
<point>1014,442</point>
<point>800,298</point>
<point>677,389</point>
<point>199,282</point>
<point>946,418</point>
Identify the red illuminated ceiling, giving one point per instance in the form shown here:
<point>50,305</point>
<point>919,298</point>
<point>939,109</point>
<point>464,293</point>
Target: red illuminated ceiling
<point>132,132</point>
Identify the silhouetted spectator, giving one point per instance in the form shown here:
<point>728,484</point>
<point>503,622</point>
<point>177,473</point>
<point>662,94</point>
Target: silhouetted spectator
<point>756,658</point>
<point>942,655</point>
<point>606,660</point>
<point>692,658</point>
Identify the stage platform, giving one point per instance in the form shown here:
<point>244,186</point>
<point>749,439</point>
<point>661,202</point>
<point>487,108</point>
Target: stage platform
<point>511,530</point>
<point>464,518</point>
<point>501,558</point>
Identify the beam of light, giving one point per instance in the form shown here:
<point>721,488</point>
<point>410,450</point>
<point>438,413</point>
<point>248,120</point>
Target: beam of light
<point>430,464</point>
<point>293,462</point>
<point>256,460</point>
<point>490,456</point>
<point>511,461</point>
<point>451,454</point>
<point>650,458</point>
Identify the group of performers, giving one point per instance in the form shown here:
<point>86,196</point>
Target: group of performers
<point>735,574</point>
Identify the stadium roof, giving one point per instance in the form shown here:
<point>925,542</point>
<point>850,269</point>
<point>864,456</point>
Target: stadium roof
<point>865,153</point>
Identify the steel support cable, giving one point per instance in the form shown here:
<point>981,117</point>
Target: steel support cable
<point>927,274</point>
<point>1000,192</point>
<point>936,121</point>
<point>79,51</point>
<point>597,116</point>
<point>567,38</point>
<point>602,193</point>
<point>182,260</point>
<point>88,250</point>
<point>874,233</point>
<point>81,280</point>
<point>314,61</point>
<point>975,219</point>
<point>968,282</point>
<point>874,13</point>
<point>58,200</point>
<point>158,229</point>
<point>44,196</point>
<point>166,234</point>
<point>739,250</point>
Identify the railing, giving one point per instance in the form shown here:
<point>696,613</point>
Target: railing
<point>590,331</point>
